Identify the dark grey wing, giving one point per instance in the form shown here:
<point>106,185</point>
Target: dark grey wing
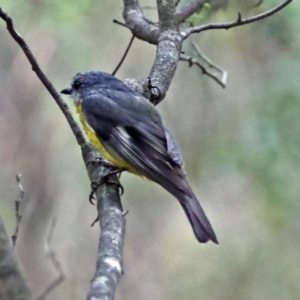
<point>103,114</point>
<point>138,139</point>
<point>173,149</point>
<point>147,152</point>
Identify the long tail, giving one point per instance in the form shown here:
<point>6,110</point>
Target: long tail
<point>176,183</point>
<point>198,220</point>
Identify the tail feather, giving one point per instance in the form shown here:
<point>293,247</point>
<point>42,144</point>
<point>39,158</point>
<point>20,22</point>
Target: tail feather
<point>198,220</point>
<point>175,182</point>
<point>178,186</point>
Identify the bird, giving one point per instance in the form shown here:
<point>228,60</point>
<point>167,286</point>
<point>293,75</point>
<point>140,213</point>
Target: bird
<point>128,131</point>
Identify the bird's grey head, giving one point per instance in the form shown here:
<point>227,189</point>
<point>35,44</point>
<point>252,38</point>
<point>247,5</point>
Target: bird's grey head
<point>85,84</point>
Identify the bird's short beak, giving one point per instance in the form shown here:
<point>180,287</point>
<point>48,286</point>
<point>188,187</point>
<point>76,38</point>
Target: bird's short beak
<point>67,91</point>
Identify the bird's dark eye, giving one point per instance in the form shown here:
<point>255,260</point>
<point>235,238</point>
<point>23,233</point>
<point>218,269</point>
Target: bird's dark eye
<point>76,85</point>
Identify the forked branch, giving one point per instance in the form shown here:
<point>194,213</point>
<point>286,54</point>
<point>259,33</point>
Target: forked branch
<point>221,79</point>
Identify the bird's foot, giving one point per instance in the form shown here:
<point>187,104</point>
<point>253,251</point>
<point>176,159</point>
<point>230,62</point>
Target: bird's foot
<point>106,179</point>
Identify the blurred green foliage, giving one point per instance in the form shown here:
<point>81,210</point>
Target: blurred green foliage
<point>241,149</point>
<point>200,15</point>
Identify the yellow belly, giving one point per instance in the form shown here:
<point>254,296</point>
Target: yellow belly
<point>98,145</point>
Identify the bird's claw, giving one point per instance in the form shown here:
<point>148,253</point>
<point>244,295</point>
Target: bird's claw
<point>95,221</point>
<point>105,179</point>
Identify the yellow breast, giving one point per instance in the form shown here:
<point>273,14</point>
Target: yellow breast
<point>98,145</point>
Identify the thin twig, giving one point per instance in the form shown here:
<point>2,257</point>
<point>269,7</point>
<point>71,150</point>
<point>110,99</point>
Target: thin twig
<point>109,209</point>
<point>121,24</point>
<point>240,21</point>
<point>193,61</point>
<point>40,74</point>
<point>205,58</point>
<point>124,56</point>
<point>51,255</point>
<point>212,65</point>
<point>17,210</point>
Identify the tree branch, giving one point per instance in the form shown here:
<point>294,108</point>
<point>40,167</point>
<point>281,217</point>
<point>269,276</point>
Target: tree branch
<point>170,43</point>
<point>109,205</point>
<point>168,40</point>
<point>43,78</point>
<point>240,21</point>
<point>167,53</point>
<point>141,27</point>
<point>12,283</point>
<point>17,210</point>
<point>193,61</point>
<point>112,224</point>
<point>211,64</point>
<point>148,31</point>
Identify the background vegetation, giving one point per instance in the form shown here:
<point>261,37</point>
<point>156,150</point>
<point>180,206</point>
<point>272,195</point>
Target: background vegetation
<point>240,144</point>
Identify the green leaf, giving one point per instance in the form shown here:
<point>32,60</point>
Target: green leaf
<point>200,15</point>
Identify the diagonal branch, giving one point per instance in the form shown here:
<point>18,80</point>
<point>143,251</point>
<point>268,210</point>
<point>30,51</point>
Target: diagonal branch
<point>123,57</point>
<point>141,27</point>
<point>211,64</point>
<point>193,61</point>
<point>109,204</point>
<point>240,21</point>
<point>43,78</point>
